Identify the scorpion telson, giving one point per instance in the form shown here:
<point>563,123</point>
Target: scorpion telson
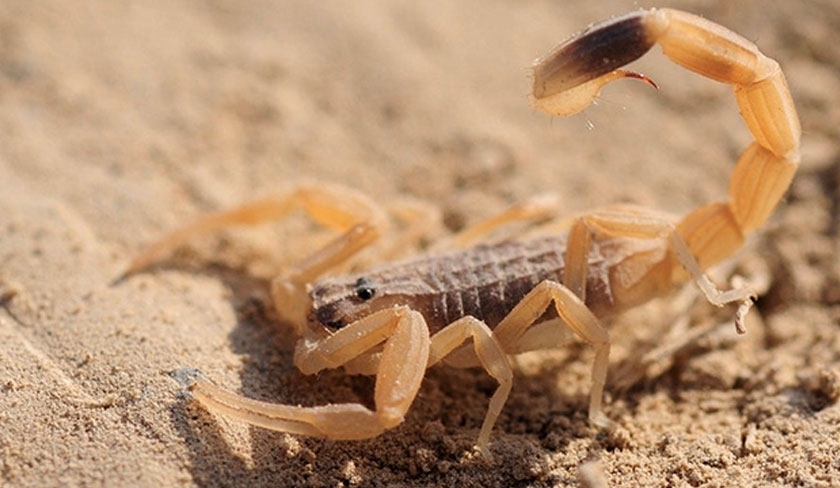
<point>597,50</point>
<point>399,319</point>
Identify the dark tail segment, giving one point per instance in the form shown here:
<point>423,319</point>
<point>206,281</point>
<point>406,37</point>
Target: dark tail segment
<point>599,49</point>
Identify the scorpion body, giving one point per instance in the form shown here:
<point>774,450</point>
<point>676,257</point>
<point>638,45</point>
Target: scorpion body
<point>397,320</point>
<point>485,282</point>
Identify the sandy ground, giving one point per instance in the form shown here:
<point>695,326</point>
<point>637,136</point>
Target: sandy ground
<point>122,120</point>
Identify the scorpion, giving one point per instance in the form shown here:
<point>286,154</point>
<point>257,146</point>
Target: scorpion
<point>478,304</point>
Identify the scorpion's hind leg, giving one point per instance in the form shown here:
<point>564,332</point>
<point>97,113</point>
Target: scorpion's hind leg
<point>332,206</point>
<point>401,369</point>
<point>642,230</point>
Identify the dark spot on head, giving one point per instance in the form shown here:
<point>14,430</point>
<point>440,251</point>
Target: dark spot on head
<point>364,289</point>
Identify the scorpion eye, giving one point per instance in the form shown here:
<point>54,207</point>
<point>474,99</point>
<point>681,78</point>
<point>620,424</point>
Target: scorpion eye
<point>364,290</point>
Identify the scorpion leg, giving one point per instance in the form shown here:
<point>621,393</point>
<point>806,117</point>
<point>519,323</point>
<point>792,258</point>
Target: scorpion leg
<point>420,221</point>
<point>577,317</point>
<point>333,206</point>
<point>535,208</point>
<point>289,290</point>
<point>642,224</point>
<point>492,357</point>
<point>401,369</point>
<point>568,79</point>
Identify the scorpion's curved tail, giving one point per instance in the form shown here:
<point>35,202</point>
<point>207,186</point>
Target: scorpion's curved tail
<point>569,79</point>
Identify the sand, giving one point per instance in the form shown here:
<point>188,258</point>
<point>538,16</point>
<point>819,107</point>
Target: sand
<point>120,121</point>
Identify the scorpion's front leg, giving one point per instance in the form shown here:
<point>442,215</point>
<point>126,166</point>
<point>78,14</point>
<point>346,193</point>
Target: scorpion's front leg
<point>570,77</point>
<point>333,206</point>
<point>400,371</point>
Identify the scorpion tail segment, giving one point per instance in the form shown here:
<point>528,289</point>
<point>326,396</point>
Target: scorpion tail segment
<point>760,87</point>
<point>568,79</point>
<point>758,183</point>
<point>761,90</point>
<point>766,168</point>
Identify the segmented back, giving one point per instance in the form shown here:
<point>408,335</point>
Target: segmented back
<point>485,282</point>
